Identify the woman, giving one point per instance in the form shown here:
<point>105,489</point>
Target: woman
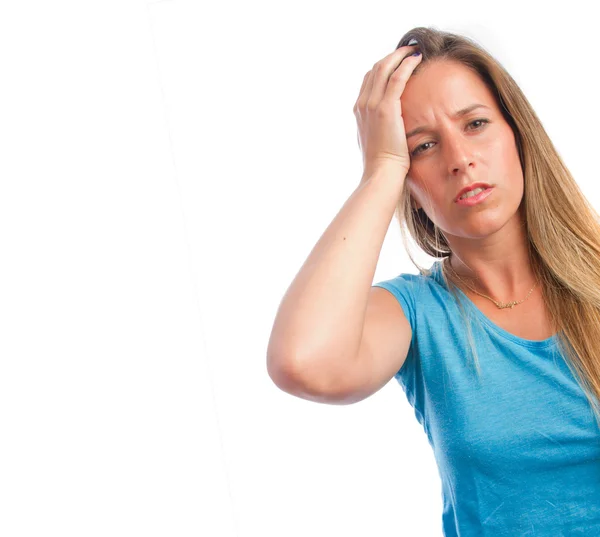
<point>452,146</point>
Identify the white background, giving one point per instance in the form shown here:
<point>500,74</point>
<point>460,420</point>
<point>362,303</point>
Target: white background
<point>166,168</point>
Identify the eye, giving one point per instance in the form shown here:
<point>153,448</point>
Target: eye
<point>482,121</point>
<point>419,149</point>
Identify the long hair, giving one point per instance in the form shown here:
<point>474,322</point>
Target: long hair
<point>562,228</point>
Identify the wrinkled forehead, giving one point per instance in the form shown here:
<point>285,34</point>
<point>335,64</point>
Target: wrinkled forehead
<point>441,88</point>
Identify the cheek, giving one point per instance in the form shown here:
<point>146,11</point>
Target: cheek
<point>505,152</point>
<point>509,164</point>
<point>421,194</point>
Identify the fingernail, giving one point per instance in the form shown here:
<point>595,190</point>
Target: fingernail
<point>416,54</point>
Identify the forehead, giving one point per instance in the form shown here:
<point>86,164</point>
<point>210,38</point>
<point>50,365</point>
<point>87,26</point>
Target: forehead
<point>440,88</point>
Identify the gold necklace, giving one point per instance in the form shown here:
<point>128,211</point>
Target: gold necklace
<point>500,305</point>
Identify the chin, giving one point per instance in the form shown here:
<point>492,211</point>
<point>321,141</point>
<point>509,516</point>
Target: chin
<point>485,225</point>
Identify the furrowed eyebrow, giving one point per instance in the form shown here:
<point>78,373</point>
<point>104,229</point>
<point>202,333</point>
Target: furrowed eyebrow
<point>457,115</point>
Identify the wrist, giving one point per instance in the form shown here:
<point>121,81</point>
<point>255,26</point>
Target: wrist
<point>384,172</point>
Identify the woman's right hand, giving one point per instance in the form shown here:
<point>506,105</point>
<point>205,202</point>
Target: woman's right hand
<point>378,112</point>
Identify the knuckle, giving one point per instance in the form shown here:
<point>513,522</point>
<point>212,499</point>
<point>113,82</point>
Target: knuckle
<point>382,111</point>
<point>388,63</point>
<point>397,75</point>
<point>372,106</point>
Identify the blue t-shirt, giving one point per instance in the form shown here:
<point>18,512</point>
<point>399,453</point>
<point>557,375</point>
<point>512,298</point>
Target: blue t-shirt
<point>517,448</point>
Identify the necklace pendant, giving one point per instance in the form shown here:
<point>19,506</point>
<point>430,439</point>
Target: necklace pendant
<point>510,305</point>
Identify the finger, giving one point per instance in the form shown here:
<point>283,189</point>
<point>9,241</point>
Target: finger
<point>361,92</point>
<point>399,78</point>
<point>385,69</point>
<point>367,88</point>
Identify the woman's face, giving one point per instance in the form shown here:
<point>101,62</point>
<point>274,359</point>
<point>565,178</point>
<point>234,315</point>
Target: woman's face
<point>454,152</point>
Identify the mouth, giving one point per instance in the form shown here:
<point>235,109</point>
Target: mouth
<point>468,189</point>
<point>473,196</point>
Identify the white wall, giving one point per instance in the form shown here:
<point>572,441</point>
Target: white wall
<point>166,168</point>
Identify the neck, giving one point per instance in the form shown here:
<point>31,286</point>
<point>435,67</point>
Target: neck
<point>497,265</point>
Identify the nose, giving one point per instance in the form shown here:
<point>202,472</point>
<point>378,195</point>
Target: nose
<point>458,154</point>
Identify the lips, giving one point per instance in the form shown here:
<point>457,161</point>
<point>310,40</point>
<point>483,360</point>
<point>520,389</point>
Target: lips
<point>471,187</point>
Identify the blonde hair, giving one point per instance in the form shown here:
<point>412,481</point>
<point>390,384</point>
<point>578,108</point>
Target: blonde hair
<point>562,228</point>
